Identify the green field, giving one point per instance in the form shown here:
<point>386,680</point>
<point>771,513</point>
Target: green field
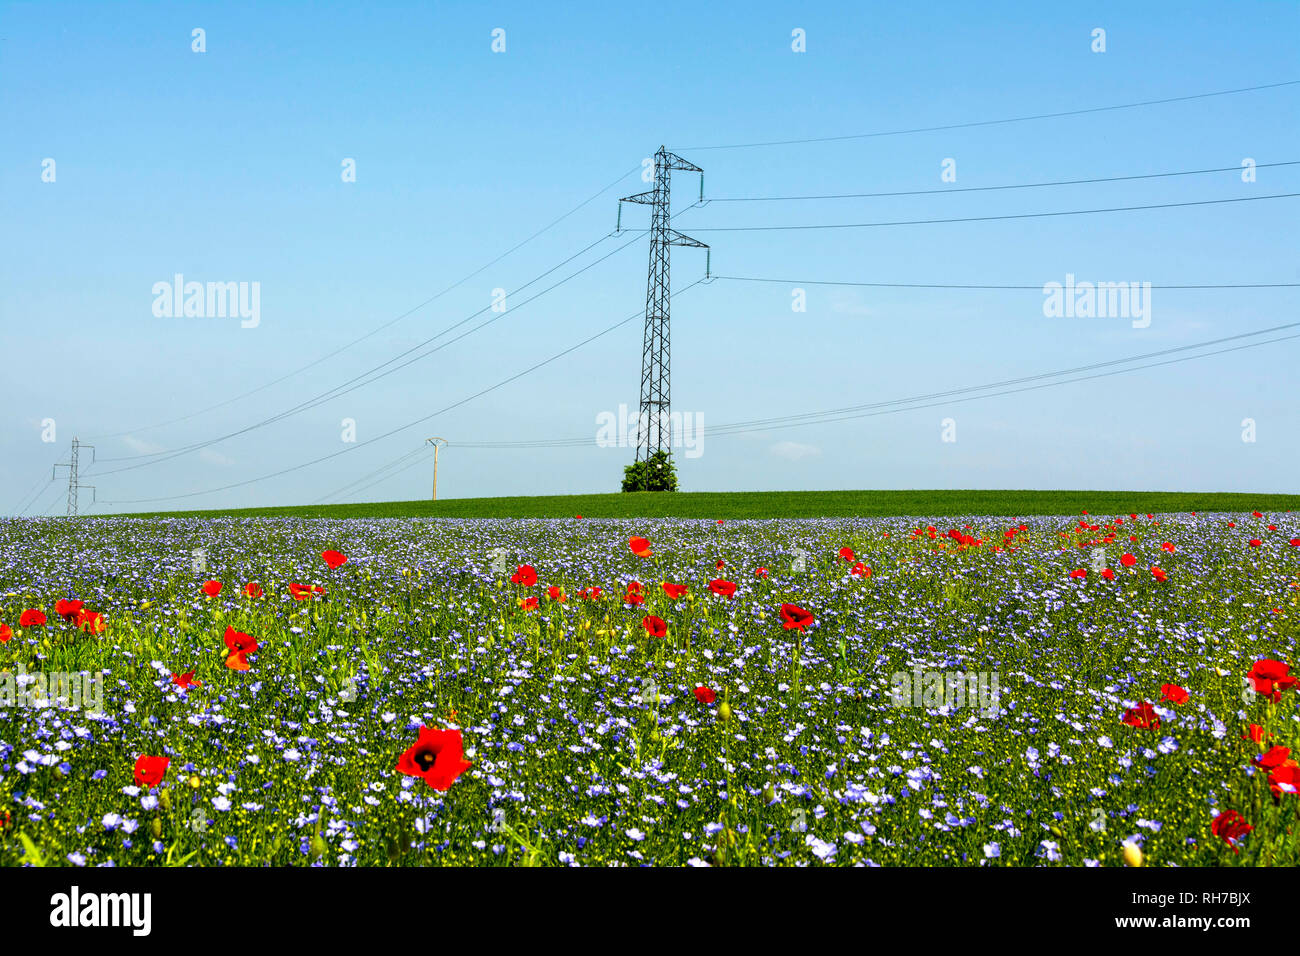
<point>783,504</point>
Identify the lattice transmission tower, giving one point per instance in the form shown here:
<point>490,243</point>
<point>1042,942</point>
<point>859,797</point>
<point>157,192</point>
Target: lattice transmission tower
<point>74,482</point>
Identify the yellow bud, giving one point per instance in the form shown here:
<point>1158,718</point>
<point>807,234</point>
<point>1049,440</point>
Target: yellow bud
<point>155,827</point>
<point>194,782</point>
<point>1132,854</point>
<point>165,801</point>
<point>724,711</point>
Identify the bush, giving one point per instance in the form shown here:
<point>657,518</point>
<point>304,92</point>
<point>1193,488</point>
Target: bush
<point>655,474</point>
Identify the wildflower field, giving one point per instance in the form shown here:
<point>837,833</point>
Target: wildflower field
<point>1086,690</point>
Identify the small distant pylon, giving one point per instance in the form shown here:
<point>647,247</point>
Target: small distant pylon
<point>74,482</point>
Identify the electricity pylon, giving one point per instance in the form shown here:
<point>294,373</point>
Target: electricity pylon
<point>74,483</point>
<point>655,426</point>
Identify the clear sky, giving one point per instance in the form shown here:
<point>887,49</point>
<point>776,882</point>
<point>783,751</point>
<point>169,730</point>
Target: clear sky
<point>228,166</point>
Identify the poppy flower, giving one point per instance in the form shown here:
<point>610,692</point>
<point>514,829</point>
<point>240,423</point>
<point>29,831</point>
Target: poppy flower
<point>437,756</point>
<point>211,588</point>
<point>721,564</point>
<point>1230,826</point>
<point>674,591</point>
<point>1258,514</point>
<point>846,553</point>
<point>704,695</point>
<point>722,588</point>
<point>635,598</point>
<point>253,589</point>
<point>90,621</point>
<point>334,559</point>
<point>760,572</point>
<point>578,517</point>
<point>635,587</point>
<point>1159,574</point>
<point>1269,678</point>
<point>186,681</point>
<point>239,645</point>
<point>149,771</point>
<point>31,618</point>
<point>590,594</point>
<point>1108,574</point>
<point>640,547</point>
<point>1273,758</point>
<point>1079,573</point>
<point>719,521</point>
<point>6,632</point>
<point>524,575</point>
<point>1174,694</point>
<point>303,592</point>
<point>68,609</point>
<point>654,626</point>
<point>1168,546</point>
<point>860,570</point>
<point>1255,542</point>
<point>556,594</point>
<point>528,604</point>
<point>1128,560</point>
<point>1143,716</point>
<point>795,618</point>
<point>1295,542</point>
<point>1285,779</point>
<point>1254,732</point>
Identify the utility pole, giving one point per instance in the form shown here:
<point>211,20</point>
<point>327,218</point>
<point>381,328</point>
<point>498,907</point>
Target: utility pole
<point>434,442</point>
<point>655,426</point>
<point>74,483</point>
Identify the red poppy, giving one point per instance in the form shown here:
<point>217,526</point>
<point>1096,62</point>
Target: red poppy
<point>6,632</point>
<point>68,609</point>
<point>579,517</point>
<point>722,588</point>
<point>795,618</point>
<point>590,594</point>
<point>1174,694</point>
<point>1168,546</point>
<point>719,521</point>
<point>1159,574</point>
<point>149,771</point>
<point>721,564</point>
<point>1273,758</point>
<point>186,681</point>
<point>91,621</point>
<point>437,756</point>
<point>760,572</point>
<point>1079,573</point>
<point>1254,732</point>
<point>1258,514</point>
<point>635,587</point>
<point>524,576</point>
<point>860,570</point>
<point>239,645</point>
<point>1295,542</point>
<point>1285,779</point>
<point>253,589</point>
<point>31,618</point>
<point>846,553</point>
<point>1230,827</point>
<point>640,547</point>
<point>704,695</point>
<point>556,594</point>
<point>1270,678</point>
<point>303,592</point>
<point>1108,574</point>
<point>674,591</point>
<point>654,626</point>
<point>1143,716</point>
<point>528,604</point>
<point>635,598</point>
<point>211,588</point>
<point>334,559</point>
<point>1128,560</point>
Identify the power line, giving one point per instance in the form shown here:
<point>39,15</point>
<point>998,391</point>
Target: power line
<point>996,122</point>
<point>408,425</point>
<point>949,285</point>
<point>851,411</point>
<point>1023,215</point>
<point>378,329</point>
<point>978,189</point>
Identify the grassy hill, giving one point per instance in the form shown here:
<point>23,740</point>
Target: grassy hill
<point>784,504</point>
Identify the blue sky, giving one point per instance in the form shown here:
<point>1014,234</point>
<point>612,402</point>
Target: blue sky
<point>225,166</point>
